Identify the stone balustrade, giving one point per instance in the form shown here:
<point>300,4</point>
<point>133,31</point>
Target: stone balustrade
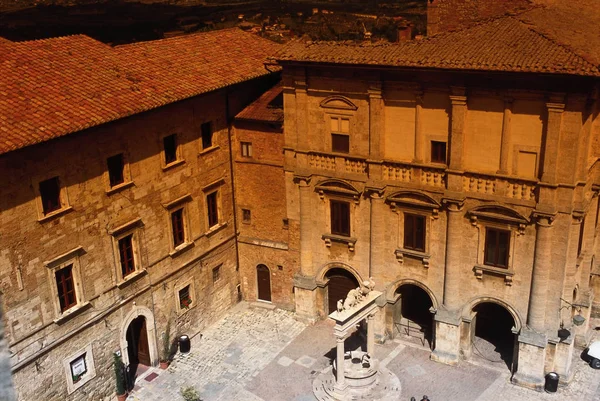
<point>514,188</point>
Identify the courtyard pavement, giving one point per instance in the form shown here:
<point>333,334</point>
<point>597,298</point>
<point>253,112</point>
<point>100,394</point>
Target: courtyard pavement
<point>259,354</point>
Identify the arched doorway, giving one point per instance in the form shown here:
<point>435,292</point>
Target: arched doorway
<point>263,277</point>
<point>493,340</point>
<point>340,281</point>
<point>138,349</point>
<point>412,315</point>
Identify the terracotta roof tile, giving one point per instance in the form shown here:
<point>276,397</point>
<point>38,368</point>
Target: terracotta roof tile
<point>501,44</point>
<point>54,87</point>
<point>267,108</point>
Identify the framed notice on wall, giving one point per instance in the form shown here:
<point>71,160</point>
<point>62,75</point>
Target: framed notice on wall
<point>78,366</point>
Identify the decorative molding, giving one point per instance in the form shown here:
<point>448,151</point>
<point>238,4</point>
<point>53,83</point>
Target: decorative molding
<point>337,187</point>
<point>507,273</point>
<point>414,199</point>
<point>73,253</point>
<point>401,253</point>
<point>329,238</point>
<point>178,201</point>
<point>498,213</point>
<point>338,102</point>
<point>126,227</point>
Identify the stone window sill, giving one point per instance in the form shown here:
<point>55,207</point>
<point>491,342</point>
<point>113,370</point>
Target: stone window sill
<point>131,278</point>
<point>216,228</point>
<point>401,253</point>
<point>329,238</point>
<point>55,213</point>
<point>180,249</point>
<point>74,311</point>
<point>173,165</point>
<point>208,150</point>
<point>182,311</point>
<point>119,188</point>
<point>500,271</point>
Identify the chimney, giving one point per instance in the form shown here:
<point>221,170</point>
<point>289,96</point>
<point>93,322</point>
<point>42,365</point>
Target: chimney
<point>404,30</point>
<point>433,17</point>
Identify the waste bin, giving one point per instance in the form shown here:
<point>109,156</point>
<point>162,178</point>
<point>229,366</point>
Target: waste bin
<point>184,344</point>
<point>551,382</point>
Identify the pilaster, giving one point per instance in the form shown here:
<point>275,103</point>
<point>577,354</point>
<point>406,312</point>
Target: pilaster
<point>305,224</point>
<point>376,121</point>
<point>458,118</point>
<point>377,251</point>
<point>453,254</point>
<point>555,107</point>
<point>419,152</point>
<point>506,135</point>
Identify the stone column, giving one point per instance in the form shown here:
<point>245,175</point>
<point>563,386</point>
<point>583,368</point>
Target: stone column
<point>305,225</point>
<point>419,157</point>
<point>370,335</point>
<point>536,316</point>
<point>506,134</point>
<point>376,110</point>
<point>458,118</point>
<point>340,380</point>
<point>301,111</point>
<point>377,248</point>
<point>453,255</point>
<point>556,107</point>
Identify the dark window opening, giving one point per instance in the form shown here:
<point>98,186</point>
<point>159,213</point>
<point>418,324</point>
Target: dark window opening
<point>115,170</point>
<point>207,135</point>
<point>246,215</point>
<point>438,152</point>
<point>185,299</point>
<point>66,288</point>
<point>178,229</point>
<point>50,193</point>
<point>340,143</point>
<point>126,254</point>
<point>496,247</point>
<point>170,146</point>
<point>340,218</point>
<point>580,242</point>
<point>414,232</point>
<point>216,274</point>
<point>212,209</point>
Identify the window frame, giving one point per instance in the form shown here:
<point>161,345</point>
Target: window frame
<point>413,217</point>
<point>133,229</point>
<point>70,258</point>
<point>339,132</point>
<point>181,203</point>
<point>190,282</point>
<point>246,216</point>
<point>163,151</point>
<point>63,197</point>
<point>433,156</point>
<point>246,149</point>
<point>211,129</point>
<point>498,231</point>
<point>88,355</point>
<point>214,210</point>
<point>332,216</point>
<point>216,273</point>
<point>127,182</point>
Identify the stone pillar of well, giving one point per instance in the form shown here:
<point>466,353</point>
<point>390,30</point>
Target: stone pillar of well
<point>371,334</point>
<point>447,319</point>
<point>304,282</point>
<point>533,338</point>
<point>340,380</point>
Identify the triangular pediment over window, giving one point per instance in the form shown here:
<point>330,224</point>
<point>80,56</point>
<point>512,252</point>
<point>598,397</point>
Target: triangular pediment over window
<point>338,102</point>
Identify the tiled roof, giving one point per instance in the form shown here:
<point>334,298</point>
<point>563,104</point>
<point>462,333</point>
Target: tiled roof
<point>53,87</point>
<point>501,44</point>
<point>267,108</point>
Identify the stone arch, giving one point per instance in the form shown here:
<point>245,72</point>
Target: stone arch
<point>498,213</point>
<point>322,272</point>
<point>338,102</point>
<point>469,306</point>
<point>414,198</point>
<point>136,312</point>
<point>390,294</point>
<point>336,186</point>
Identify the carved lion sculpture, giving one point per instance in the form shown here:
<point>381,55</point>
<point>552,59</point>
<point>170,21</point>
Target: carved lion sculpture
<point>351,299</point>
<point>340,305</point>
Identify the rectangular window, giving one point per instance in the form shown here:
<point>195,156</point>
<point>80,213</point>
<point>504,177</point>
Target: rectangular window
<point>340,143</point>
<point>116,166</point>
<point>126,255</point>
<point>438,152</point>
<point>212,209</point>
<point>66,288</point>
<point>50,194</point>
<point>496,247</point>
<point>246,215</point>
<point>414,232</point>
<point>170,147</point>
<point>178,228</point>
<point>185,299</point>
<point>216,274</point>
<point>207,135</point>
<point>340,218</point>
<point>246,149</point>
<point>78,368</point>
<point>580,242</point>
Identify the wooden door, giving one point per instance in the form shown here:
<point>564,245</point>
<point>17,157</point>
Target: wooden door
<point>137,342</point>
<point>264,283</point>
<point>143,348</point>
<point>338,288</point>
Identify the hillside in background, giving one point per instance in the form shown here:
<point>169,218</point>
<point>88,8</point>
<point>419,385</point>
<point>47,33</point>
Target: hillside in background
<point>122,21</point>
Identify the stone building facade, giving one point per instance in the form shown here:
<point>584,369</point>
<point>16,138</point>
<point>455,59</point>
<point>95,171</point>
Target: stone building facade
<point>113,232</point>
<point>464,183</point>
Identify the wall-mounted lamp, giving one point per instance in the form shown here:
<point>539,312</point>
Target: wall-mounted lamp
<point>578,320</point>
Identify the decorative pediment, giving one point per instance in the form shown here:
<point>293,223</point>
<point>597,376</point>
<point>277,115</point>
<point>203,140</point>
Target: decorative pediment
<point>338,102</point>
<point>414,199</point>
<point>337,187</point>
<point>498,213</point>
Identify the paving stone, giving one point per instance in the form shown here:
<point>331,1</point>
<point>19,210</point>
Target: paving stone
<point>306,361</point>
<point>285,361</point>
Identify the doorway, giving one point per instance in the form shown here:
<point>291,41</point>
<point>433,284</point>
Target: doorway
<point>137,343</point>
<point>412,315</point>
<point>493,340</point>
<point>341,281</point>
<point>263,277</point>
